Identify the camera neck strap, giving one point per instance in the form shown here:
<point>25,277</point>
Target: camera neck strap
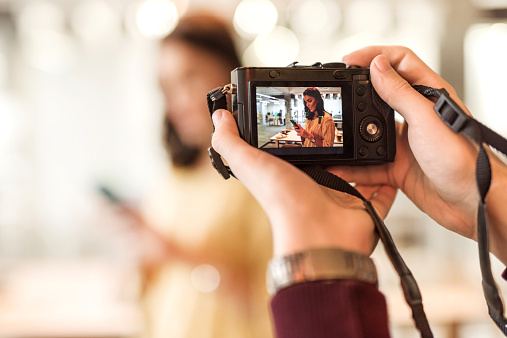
<point>460,122</point>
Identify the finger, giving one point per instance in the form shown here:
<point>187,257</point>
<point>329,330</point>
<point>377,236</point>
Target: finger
<point>435,160</point>
<point>383,200</point>
<point>418,112</point>
<point>243,159</point>
<point>226,140</point>
<point>262,174</point>
<point>406,63</point>
<point>404,60</point>
<point>400,95</point>
<point>368,191</point>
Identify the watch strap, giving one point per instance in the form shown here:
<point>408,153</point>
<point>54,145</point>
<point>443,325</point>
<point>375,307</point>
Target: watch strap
<point>319,264</point>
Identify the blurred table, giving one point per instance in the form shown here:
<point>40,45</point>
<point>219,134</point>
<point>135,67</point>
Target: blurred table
<point>291,136</point>
<point>68,299</point>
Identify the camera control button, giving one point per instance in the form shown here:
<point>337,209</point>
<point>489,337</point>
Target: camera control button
<point>274,74</point>
<point>340,74</point>
<point>371,129</point>
<point>363,151</point>
<point>381,151</point>
<point>361,91</point>
<point>361,106</point>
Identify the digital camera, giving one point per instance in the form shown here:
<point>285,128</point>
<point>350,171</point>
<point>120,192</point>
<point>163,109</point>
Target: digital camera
<point>324,114</point>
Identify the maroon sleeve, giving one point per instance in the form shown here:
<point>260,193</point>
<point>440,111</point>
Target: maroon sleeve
<point>333,308</point>
<point>504,274</point>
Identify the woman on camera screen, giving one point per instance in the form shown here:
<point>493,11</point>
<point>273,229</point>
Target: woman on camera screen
<point>319,130</point>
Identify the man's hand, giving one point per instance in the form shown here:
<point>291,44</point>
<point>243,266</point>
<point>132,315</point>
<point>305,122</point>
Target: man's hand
<point>434,166</point>
<point>303,214</point>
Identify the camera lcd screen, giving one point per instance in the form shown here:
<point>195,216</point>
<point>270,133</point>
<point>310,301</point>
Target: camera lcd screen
<point>303,120</point>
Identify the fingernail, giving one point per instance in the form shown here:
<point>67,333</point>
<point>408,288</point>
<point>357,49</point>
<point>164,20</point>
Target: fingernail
<point>216,117</point>
<point>382,63</point>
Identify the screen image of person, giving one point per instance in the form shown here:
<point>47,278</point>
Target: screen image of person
<point>319,130</point>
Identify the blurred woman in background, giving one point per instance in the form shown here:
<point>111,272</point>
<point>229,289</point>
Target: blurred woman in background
<point>210,238</point>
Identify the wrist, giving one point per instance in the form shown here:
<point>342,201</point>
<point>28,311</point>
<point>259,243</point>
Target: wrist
<point>348,234</point>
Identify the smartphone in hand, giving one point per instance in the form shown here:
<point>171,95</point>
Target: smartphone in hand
<point>109,194</point>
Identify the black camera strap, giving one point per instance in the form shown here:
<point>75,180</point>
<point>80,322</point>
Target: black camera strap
<point>458,121</point>
<point>217,99</point>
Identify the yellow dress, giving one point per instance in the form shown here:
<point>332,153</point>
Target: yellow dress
<point>225,296</point>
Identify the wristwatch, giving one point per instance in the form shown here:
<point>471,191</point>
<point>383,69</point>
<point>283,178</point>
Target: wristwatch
<point>319,264</point>
<point>313,139</point>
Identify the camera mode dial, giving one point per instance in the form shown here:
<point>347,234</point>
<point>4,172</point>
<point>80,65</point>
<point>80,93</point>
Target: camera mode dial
<point>371,129</point>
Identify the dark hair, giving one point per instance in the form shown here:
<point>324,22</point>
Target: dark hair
<point>180,153</point>
<point>315,93</point>
<point>209,34</point>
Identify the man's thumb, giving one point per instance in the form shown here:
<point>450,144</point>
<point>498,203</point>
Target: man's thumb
<point>398,93</point>
<point>226,140</point>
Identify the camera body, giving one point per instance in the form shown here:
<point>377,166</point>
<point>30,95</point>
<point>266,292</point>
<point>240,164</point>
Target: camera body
<point>267,99</point>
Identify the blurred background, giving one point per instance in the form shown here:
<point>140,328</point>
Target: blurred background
<point>80,108</point>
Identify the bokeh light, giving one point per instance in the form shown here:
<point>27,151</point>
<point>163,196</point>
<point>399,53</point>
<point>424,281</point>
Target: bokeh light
<point>486,44</point>
<point>278,47</point>
<point>156,18</point>
<point>95,21</point>
<point>308,17</point>
<point>368,16</point>
<point>253,17</point>
<point>205,278</point>
<point>40,15</point>
<point>48,51</point>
